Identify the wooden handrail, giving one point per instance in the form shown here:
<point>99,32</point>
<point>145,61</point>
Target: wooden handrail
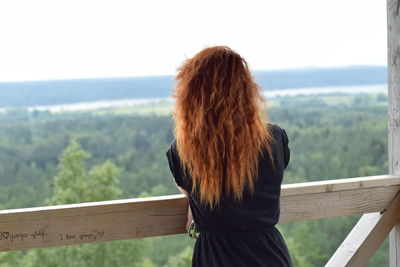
<point>155,216</point>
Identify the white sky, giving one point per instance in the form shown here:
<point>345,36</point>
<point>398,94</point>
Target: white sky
<point>57,39</point>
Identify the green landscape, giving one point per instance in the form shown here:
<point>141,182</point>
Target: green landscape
<point>70,157</point>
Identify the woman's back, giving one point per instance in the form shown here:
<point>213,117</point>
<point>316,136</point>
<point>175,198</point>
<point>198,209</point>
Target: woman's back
<point>241,234</point>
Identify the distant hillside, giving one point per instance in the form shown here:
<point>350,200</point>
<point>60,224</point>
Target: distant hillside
<point>23,94</point>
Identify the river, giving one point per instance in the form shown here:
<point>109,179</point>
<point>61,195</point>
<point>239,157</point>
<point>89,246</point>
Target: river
<point>86,106</point>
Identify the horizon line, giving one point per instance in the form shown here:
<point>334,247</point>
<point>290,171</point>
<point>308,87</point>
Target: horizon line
<point>171,75</point>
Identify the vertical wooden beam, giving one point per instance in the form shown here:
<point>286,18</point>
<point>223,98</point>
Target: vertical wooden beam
<point>393,31</point>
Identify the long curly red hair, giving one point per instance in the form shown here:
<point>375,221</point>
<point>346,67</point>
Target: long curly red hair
<point>219,127</point>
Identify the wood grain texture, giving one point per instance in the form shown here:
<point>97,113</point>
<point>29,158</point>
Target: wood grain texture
<point>366,237</point>
<point>393,33</point>
<point>92,222</point>
<point>339,184</point>
<point>335,204</point>
<point>155,216</point>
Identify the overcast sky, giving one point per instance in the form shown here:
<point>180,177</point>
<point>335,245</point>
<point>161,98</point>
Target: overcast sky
<point>78,39</point>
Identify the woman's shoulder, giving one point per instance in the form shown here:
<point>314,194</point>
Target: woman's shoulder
<point>175,165</point>
<point>275,129</point>
<point>282,140</point>
<point>172,145</point>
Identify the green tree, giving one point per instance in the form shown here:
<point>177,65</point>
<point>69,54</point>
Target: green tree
<point>71,180</point>
<point>73,184</point>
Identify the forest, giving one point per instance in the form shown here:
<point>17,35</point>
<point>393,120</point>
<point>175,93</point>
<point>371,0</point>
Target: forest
<point>71,157</point>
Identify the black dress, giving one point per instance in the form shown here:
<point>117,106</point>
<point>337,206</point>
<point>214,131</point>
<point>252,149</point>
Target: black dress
<point>242,234</point>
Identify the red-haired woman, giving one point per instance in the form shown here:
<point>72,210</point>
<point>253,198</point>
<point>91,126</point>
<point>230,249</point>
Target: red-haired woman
<point>228,161</point>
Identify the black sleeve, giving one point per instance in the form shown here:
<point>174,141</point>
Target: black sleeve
<point>286,150</point>
<point>174,165</point>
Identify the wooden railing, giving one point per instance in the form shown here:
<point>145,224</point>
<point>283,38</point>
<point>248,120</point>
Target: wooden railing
<point>155,216</point>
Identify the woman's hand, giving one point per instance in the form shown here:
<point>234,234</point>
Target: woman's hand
<point>189,213</point>
<point>189,218</point>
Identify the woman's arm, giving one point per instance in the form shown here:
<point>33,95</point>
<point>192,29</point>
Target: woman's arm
<point>189,213</point>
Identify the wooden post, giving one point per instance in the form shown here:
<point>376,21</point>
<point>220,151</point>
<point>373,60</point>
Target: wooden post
<point>393,31</point>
